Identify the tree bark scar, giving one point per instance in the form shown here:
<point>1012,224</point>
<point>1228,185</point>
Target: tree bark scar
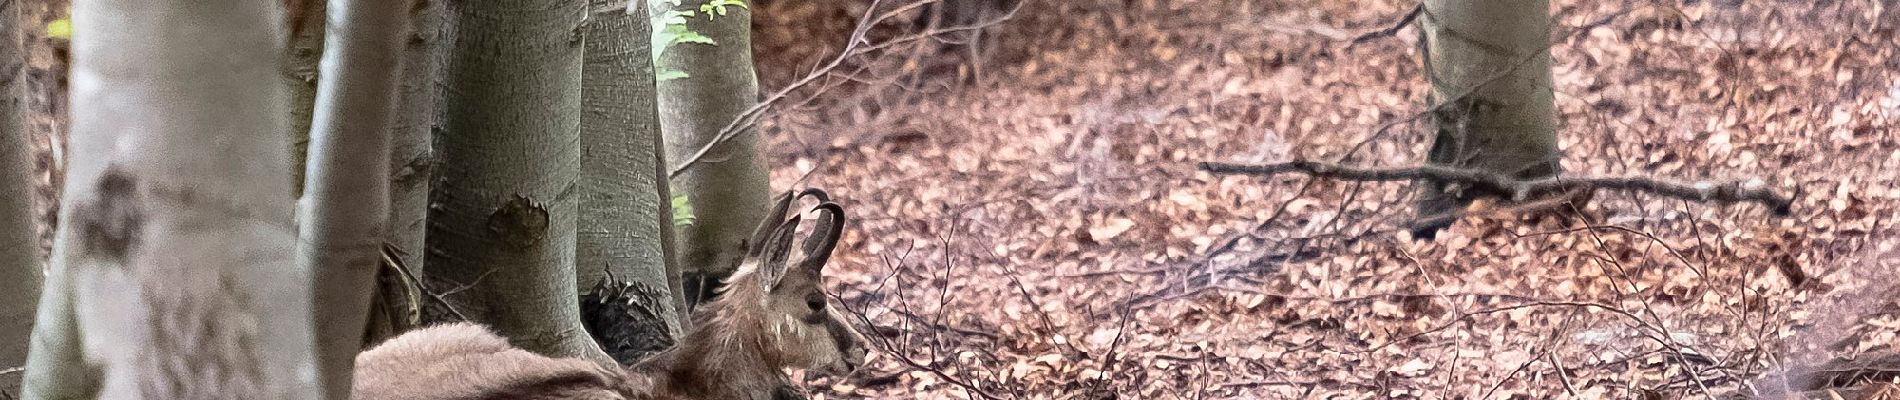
<point>519,222</point>
<point>110,222</point>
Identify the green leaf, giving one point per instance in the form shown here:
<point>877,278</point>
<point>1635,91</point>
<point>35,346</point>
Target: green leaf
<point>664,74</point>
<point>686,36</point>
<point>62,29</point>
<point>671,29</point>
<point>719,7</point>
<point>683,210</point>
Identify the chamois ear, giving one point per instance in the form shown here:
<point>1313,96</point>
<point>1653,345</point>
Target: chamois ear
<point>776,250</point>
<point>824,239</point>
<point>756,245</point>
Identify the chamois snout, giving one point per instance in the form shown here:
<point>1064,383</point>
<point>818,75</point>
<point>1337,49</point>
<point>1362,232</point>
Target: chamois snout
<point>851,347</point>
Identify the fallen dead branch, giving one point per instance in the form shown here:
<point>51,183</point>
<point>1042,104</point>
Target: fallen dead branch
<point>1750,190</point>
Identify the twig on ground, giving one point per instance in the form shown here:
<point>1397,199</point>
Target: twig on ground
<point>896,353</point>
<point>910,351</point>
<point>1109,367</point>
<point>1752,190</point>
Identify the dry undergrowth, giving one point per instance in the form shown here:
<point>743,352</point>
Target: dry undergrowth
<point>1042,233</point>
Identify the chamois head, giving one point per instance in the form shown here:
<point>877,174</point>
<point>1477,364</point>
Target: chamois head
<point>781,300</point>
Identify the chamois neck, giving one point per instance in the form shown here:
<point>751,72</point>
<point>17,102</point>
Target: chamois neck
<point>726,355</point>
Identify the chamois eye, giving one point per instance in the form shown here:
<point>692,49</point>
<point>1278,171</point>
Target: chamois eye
<point>816,303</point>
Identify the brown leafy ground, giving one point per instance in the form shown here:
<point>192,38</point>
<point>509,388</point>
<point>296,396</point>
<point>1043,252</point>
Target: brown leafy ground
<point>1042,234</point>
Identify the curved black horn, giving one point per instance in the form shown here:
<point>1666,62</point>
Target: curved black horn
<point>815,193</point>
<point>830,227</point>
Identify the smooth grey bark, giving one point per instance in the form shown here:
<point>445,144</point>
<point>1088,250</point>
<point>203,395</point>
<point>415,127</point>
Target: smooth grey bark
<point>623,212</point>
<point>345,212</point>
<point>502,221</point>
<point>728,187</point>
<point>302,53</point>
<point>412,158</point>
<point>398,304</point>
<point>1489,66</point>
<point>173,267</point>
<point>19,245</point>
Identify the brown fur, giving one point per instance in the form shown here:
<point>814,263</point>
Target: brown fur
<point>738,348</point>
<point>467,361</point>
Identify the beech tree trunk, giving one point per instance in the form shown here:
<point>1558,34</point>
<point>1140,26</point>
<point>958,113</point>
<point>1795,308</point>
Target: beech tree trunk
<point>623,212</point>
<point>1489,66</point>
<point>345,211</point>
<point>728,187</point>
<point>19,245</point>
<point>412,158</point>
<point>174,261</point>
<point>502,225</point>
<point>398,305</point>
<point>302,53</point>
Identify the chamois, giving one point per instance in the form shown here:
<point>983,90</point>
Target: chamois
<point>773,314</point>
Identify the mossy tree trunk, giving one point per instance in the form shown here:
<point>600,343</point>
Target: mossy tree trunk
<point>19,244</point>
<point>727,187</point>
<point>502,225</point>
<point>345,212</point>
<point>174,261</point>
<point>623,208</point>
<point>1488,62</point>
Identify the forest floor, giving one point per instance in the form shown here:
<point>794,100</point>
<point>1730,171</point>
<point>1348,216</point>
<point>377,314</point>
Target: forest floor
<point>1042,232</point>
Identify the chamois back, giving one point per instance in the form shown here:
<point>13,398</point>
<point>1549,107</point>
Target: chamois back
<point>465,361</point>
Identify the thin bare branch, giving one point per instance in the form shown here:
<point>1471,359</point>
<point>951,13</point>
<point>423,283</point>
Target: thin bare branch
<point>855,46</point>
<point>1391,30</point>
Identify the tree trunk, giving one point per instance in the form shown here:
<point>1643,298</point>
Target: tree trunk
<point>727,187</point>
<point>622,211</point>
<point>1489,66</point>
<point>345,213</point>
<point>397,307</point>
<point>502,221</point>
<point>302,52</point>
<point>174,261</point>
<point>412,158</point>
<point>19,247</point>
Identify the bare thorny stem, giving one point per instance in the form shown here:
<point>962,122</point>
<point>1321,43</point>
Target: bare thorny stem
<point>902,352</point>
<point>896,352</point>
<point>855,46</point>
